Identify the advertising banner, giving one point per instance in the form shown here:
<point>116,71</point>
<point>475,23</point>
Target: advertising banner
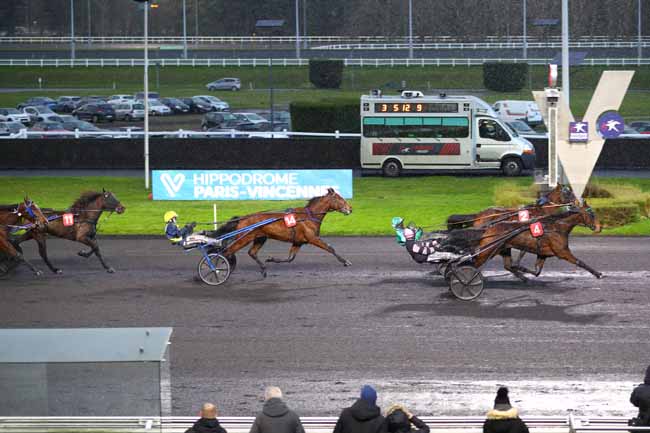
<point>218,185</point>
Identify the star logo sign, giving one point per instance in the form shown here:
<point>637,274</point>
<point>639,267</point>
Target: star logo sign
<point>612,125</point>
<point>579,127</point>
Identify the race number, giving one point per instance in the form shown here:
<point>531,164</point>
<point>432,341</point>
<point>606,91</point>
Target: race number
<point>524,216</point>
<point>290,220</point>
<point>536,229</point>
<point>68,219</point>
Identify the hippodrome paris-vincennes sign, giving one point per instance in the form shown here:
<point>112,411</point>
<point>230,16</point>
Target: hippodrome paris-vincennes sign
<point>249,184</point>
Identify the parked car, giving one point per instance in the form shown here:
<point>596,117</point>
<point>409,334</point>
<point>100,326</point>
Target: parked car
<point>95,113</point>
<point>197,105</point>
<point>219,120</point>
<point>88,100</point>
<point>638,123</point>
<point>522,128</point>
<point>66,104</point>
<point>119,99</point>
<point>528,111</point>
<point>176,105</point>
<point>250,117</point>
<point>157,108</point>
<point>12,127</point>
<point>83,126</point>
<point>225,84</point>
<point>216,103</point>
<point>43,101</point>
<point>51,128</point>
<point>643,129</point>
<point>152,95</point>
<point>41,114</point>
<point>259,126</point>
<point>129,110</point>
<point>13,115</point>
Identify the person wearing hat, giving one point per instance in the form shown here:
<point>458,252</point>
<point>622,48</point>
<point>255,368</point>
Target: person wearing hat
<point>363,416</point>
<point>172,231</point>
<point>503,418</point>
<point>641,398</point>
<point>399,420</point>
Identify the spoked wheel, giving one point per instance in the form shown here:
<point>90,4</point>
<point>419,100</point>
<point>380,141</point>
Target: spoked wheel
<point>214,269</point>
<point>466,282</point>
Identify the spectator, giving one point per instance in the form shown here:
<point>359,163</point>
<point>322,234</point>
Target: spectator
<point>503,418</point>
<point>208,423</point>
<point>399,420</point>
<point>641,398</point>
<point>276,417</point>
<point>363,416</point>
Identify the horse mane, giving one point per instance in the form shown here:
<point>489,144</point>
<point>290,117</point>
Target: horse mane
<point>313,200</point>
<point>85,199</point>
<point>9,206</point>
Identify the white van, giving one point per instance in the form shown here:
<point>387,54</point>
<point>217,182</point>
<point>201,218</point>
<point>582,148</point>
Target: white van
<point>528,111</point>
<point>129,110</point>
<point>412,131</point>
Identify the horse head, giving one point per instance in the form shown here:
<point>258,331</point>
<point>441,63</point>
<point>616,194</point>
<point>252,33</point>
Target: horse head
<point>561,194</point>
<point>588,215</point>
<point>338,203</point>
<point>110,202</point>
<point>32,212</point>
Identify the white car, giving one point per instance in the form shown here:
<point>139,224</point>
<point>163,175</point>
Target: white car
<point>13,115</point>
<point>157,108</point>
<point>214,102</point>
<point>250,118</point>
<point>41,114</point>
<point>118,99</point>
<point>129,110</point>
<point>528,111</point>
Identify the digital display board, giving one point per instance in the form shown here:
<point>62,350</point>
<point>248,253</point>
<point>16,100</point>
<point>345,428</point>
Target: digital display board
<point>416,107</point>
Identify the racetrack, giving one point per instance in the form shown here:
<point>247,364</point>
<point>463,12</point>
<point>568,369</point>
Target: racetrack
<point>319,330</point>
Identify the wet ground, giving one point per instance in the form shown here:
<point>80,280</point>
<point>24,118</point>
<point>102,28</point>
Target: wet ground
<point>320,330</point>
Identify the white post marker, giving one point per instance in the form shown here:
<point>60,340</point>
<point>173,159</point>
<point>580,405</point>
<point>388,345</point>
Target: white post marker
<point>146,95</point>
<point>214,214</point>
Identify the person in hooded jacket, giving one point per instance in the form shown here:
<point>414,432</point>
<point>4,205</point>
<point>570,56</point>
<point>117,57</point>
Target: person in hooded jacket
<point>399,420</point>
<point>363,416</point>
<point>503,418</point>
<point>641,398</point>
<point>208,423</point>
<point>276,417</point>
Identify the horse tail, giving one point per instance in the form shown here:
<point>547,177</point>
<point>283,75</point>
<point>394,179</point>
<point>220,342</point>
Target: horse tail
<point>466,239</point>
<point>229,226</point>
<point>460,221</point>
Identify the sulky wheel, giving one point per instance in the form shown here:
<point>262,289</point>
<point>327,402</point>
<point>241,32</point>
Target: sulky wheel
<point>214,269</point>
<point>466,282</point>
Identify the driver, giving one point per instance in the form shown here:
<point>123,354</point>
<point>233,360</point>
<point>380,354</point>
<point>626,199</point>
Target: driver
<point>172,231</point>
<point>436,248</point>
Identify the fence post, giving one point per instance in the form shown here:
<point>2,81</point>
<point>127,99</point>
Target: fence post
<point>337,134</point>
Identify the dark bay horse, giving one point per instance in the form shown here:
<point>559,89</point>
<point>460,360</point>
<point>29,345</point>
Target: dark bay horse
<point>553,243</point>
<point>306,230</point>
<point>14,217</point>
<point>86,210</point>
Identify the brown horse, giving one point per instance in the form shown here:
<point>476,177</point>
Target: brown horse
<point>553,243</point>
<point>86,211</point>
<point>306,230</point>
<point>14,217</point>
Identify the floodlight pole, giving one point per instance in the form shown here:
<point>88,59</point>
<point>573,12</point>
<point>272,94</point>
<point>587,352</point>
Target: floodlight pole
<point>146,95</point>
<point>89,23</point>
<point>72,47</point>
<point>184,30</point>
<point>271,78</point>
<point>410,29</point>
<point>640,46</point>
<point>297,29</point>
<point>524,30</point>
<point>565,52</point>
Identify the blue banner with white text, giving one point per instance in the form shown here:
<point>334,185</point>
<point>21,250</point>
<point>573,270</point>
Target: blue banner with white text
<point>249,184</point>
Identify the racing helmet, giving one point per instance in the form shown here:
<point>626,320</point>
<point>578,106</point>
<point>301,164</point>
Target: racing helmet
<point>169,215</point>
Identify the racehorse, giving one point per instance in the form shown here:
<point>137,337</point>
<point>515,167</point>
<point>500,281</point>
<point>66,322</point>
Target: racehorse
<point>306,230</point>
<point>13,217</point>
<point>553,243</point>
<point>86,211</point>
<point>560,195</point>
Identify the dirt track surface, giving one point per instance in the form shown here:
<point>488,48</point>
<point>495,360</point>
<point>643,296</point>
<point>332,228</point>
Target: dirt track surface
<point>320,330</point>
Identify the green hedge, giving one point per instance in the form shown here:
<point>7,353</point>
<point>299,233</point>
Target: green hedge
<point>326,74</point>
<point>325,116</point>
<point>505,77</point>
<point>617,214</point>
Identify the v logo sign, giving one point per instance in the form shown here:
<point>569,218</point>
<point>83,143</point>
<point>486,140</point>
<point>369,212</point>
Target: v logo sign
<point>172,185</point>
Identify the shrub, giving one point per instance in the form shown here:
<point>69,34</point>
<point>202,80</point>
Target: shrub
<point>325,116</point>
<point>326,74</point>
<point>505,77</point>
<point>616,214</point>
<point>596,191</point>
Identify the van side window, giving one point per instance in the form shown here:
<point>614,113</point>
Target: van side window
<point>489,128</point>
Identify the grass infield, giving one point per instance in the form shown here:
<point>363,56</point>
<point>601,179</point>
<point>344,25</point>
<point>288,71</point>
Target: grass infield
<point>425,200</point>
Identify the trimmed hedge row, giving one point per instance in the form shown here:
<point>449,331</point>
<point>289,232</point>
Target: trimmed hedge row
<point>326,74</point>
<point>325,116</point>
<point>616,214</point>
<point>505,77</point>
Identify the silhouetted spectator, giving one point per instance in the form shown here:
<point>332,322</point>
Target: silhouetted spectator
<point>503,418</point>
<point>641,398</point>
<point>399,420</point>
<point>276,417</point>
<point>208,423</point>
<point>363,416</point>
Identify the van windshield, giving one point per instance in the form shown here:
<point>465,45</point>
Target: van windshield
<point>511,130</point>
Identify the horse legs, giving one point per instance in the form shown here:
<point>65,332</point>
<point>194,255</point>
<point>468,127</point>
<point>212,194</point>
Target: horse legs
<point>241,243</point>
<point>42,250</point>
<point>508,266</point>
<point>292,255</point>
<point>6,246</point>
<point>258,243</point>
<point>539,265</point>
<point>318,242</point>
<point>566,254</point>
<point>94,249</point>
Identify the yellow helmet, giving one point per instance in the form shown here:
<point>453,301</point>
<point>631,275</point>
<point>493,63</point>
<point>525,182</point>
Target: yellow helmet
<point>169,215</point>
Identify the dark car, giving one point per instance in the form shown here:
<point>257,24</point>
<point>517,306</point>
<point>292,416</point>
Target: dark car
<point>196,106</point>
<point>66,104</point>
<point>11,127</point>
<point>38,101</point>
<point>51,128</point>
<point>95,113</point>
<point>88,100</point>
<point>249,126</point>
<point>176,105</point>
<point>219,119</point>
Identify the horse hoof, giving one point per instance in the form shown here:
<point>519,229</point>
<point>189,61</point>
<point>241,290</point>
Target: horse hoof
<point>82,253</point>
<point>110,270</point>
<point>58,271</point>
<point>263,274</point>
<point>38,273</point>
<point>269,260</point>
<point>347,263</point>
<point>600,276</point>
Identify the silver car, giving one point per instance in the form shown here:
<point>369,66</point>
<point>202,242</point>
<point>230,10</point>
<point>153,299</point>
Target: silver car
<point>225,84</point>
<point>129,110</point>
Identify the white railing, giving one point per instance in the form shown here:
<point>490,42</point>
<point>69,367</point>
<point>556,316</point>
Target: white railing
<point>376,62</point>
<point>482,45</point>
<point>240,40</point>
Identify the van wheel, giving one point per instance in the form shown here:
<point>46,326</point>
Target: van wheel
<point>234,88</point>
<point>512,166</point>
<point>392,168</point>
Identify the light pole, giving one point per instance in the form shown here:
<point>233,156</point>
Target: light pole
<point>297,29</point>
<point>304,23</point>
<point>184,30</point>
<point>146,94</point>
<point>196,19</point>
<point>640,46</point>
<point>524,30</point>
<point>89,22</point>
<point>410,29</point>
<point>72,47</point>
<point>565,52</point>
<point>270,25</point>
